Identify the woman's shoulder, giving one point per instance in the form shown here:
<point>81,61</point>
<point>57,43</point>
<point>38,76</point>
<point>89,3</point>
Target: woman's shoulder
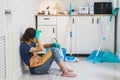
<point>23,44</point>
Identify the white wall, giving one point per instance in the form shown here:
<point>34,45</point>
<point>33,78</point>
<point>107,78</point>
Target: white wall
<point>23,16</point>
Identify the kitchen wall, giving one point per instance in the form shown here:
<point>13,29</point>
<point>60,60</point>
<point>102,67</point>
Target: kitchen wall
<point>64,4</point>
<point>23,16</point>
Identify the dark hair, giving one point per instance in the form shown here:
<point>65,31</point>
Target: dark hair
<point>29,34</point>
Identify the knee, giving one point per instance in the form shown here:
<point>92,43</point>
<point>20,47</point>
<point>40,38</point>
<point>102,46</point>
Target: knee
<point>54,50</point>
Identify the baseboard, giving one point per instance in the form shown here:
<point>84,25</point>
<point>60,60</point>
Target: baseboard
<point>79,55</point>
<point>17,74</point>
<point>76,55</point>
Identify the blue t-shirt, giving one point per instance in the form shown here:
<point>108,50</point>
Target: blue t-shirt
<point>24,51</point>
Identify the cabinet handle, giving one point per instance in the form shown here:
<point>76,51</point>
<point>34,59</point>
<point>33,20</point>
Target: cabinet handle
<point>73,20</point>
<point>53,30</point>
<point>46,18</point>
<point>92,20</point>
<point>97,20</point>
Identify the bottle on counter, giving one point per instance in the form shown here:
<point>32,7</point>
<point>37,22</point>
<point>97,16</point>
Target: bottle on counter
<point>57,8</point>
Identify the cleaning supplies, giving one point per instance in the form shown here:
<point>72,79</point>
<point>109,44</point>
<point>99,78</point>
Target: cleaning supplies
<point>109,56</point>
<point>93,58</point>
<point>56,44</point>
<point>98,55</point>
<point>71,58</point>
<point>114,12</point>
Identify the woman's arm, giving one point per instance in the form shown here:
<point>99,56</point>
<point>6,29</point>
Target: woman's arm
<point>39,47</point>
<point>47,45</point>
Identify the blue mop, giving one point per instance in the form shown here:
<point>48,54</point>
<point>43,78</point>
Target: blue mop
<point>101,56</point>
<point>70,58</point>
<point>94,58</point>
<point>109,56</point>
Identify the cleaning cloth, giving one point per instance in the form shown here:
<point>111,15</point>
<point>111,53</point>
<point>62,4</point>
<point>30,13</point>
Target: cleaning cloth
<point>56,44</point>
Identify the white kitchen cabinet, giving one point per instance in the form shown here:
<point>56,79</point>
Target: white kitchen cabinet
<point>103,24</point>
<point>89,31</point>
<point>65,24</point>
<point>48,26</point>
<point>85,35</point>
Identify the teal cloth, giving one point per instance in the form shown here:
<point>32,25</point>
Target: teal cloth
<point>37,35</point>
<point>56,44</point>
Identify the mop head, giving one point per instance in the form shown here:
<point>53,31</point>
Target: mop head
<point>103,57</point>
<point>110,57</point>
<point>71,59</point>
<point>93,58</point>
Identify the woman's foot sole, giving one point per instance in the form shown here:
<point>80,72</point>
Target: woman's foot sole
<point>69,75</point>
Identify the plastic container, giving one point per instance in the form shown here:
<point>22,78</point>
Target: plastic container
<point>64,53</point>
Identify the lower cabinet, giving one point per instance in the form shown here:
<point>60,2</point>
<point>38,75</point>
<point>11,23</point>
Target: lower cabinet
<point>65,27</point>
<point>48,33</point>
<point>87,33</point>
<point>47,24</point>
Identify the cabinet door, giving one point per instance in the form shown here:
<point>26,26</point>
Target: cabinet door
<point>90,31</point>
<point>64,26</point>
<point>48,33</point>
<point>85,35</point>
<point>106,27</point>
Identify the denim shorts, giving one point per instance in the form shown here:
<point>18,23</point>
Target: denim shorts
<point>43,69</point>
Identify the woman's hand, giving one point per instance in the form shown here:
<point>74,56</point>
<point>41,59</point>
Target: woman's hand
<point>37,34</point>
<point>35,53</point>
<point>56,44</point>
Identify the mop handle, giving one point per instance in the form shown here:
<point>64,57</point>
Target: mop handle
<point>70,9</point>
<point>114,12</point>
<point>103,39</point>
<point>70,6</point>
<point>70,34</point>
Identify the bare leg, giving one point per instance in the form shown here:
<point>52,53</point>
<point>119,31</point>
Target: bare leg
<point>70,70</point>
<point>65,71</point>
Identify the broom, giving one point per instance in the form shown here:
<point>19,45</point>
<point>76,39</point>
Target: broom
<point>99,55</point>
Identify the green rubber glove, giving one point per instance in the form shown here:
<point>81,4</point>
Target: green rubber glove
<point>37,34</point>
<point>57,45</point>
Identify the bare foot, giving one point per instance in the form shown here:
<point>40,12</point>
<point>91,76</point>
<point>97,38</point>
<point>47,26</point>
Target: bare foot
<point>69,75</point>
<point>70,70</point>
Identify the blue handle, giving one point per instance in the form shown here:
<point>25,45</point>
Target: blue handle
<point>114,12</point>
<point>70,34</point>
<point>70,9</point>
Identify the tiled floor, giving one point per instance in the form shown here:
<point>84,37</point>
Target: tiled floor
<point>84,69</point>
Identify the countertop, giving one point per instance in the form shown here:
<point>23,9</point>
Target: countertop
<point>73,15</point>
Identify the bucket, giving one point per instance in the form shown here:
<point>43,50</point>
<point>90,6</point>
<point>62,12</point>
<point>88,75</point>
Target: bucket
<point>46,49</point>
<point>64,53</point>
